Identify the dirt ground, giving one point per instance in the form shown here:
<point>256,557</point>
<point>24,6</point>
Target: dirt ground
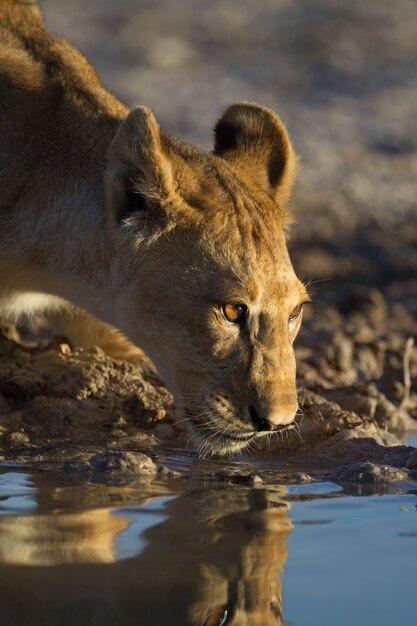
<point>342,75</point>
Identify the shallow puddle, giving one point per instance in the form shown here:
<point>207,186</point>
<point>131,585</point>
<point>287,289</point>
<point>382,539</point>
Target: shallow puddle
<point>203,552</point>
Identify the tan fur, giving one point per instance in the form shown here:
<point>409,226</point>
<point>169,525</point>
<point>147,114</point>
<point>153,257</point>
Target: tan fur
<point>102,211</point>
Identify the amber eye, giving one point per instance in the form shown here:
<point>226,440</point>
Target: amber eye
<point>276,611</point>
<point>295,312</point>
<point>217,617</point>
<point>234,313</point>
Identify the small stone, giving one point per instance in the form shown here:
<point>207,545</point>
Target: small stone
<point>18,438</point>
<point>167,472</point>
<point>155,417</point>
<point>120,422</point>
<point>301,477</point>
<point>64,348</point>
<point>242,479</point>
<point>329,430</point>
<point>118,432</point>
<point>159,415</point>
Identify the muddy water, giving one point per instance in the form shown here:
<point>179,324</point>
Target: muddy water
<point>203,551</point>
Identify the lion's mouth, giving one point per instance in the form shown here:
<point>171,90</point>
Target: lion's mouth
<point>208,429</point>
<point>235,436</point>
<point>240,436</point>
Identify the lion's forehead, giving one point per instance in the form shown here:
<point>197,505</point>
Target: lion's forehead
<point>264,280</point>
<point>227,202</point>
<point>246,235</point>
<point>253,253</point>
<point>240,239</point>
<point>255,222</point>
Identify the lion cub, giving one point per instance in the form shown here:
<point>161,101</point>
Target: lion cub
<point>104,214</point>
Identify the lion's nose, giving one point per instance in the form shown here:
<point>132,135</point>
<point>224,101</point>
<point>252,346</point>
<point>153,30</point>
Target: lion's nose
<point>263,422</point>
<point>260,422</point>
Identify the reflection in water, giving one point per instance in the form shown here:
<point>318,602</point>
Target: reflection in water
<point>214,559</point>
<point>86,537</point>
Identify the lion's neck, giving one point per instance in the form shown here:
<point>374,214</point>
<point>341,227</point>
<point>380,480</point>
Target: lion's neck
<point>83,266</point>
<point>61,245</point>
<point>87,271</point>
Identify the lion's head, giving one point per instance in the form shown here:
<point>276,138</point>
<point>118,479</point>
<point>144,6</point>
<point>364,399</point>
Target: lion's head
<point>209,291</point>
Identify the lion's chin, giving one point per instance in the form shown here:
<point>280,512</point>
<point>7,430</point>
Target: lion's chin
<point>217,444</point>
<point>211,443</point>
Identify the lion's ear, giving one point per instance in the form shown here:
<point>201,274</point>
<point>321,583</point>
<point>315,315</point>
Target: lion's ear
<point>254,140</point>
<point>139,180</point>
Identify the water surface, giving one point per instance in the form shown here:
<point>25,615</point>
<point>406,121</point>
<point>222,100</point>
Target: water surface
<point>203,552</point>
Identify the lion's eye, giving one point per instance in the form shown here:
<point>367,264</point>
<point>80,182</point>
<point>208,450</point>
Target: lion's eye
<point>295,312</point>
<point>219,616</point>
<point>276,611</point>
<point>234,313</point>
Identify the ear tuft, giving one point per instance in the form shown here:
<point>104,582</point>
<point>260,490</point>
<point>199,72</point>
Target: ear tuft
<point>139,179</point>
<point>255,141</point>
<point>134,202</point>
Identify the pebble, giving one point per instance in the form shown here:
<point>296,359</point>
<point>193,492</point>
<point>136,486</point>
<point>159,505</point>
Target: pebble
<point>18,438</point>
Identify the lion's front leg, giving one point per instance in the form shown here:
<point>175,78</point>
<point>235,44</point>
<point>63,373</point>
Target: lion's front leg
<point>85,331</point>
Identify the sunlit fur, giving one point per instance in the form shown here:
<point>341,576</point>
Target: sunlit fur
<point>104,216</point>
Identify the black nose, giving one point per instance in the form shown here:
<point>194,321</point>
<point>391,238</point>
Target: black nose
<point>260,423</point>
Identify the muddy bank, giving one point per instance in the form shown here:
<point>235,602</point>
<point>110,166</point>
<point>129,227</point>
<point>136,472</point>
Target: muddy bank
<point>57,396</point>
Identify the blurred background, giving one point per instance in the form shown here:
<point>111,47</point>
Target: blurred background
<point>342,75</point>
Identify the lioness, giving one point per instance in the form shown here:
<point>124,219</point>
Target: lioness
<point>105,214</point>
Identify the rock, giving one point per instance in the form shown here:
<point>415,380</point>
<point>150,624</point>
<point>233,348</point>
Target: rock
<point>113,467</point>
<point>167,472</point>
<point>126,462</point>
<point>372,473</point>
<point>16,438</point>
